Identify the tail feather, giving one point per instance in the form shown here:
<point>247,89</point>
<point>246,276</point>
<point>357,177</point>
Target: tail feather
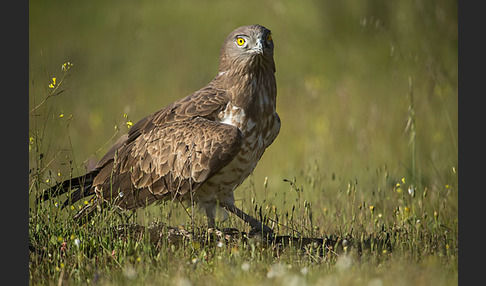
<point>78,194</point>
<point>82,186</point>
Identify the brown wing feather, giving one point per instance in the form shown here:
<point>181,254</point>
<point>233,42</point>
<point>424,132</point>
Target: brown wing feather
<point>206,103</point>
<point>168,161</point>
<point>170,152</point>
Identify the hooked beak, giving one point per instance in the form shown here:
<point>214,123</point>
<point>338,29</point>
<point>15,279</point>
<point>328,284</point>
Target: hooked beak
<point>258,48</point>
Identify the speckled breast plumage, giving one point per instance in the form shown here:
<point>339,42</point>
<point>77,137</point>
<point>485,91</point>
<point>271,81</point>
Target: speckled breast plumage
<point>260,125</point>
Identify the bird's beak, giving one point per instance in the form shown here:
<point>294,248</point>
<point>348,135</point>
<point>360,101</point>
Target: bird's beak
<point>259,47</point>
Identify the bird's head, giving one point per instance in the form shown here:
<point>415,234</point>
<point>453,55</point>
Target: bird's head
<point>247,47</point>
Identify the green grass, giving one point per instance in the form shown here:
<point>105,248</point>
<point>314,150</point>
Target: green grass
<point>367,95</point>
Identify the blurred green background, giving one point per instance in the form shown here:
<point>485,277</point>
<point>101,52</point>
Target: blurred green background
<point>343,74</point>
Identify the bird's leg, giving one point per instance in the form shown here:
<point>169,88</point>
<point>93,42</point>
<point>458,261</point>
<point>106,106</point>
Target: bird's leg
<point>256,225</point>
<point>210,214</point>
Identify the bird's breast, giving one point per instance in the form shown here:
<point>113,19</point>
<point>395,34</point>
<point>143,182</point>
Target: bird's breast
<point>259,128</point>
<point>252,110</point>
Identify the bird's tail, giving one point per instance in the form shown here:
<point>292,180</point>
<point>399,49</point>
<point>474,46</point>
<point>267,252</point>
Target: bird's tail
<point>82,186</point>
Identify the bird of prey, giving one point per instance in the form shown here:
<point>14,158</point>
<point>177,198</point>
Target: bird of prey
<point>200,147</point>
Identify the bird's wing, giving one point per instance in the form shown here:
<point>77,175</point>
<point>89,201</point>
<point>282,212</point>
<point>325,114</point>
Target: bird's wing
<point>167,161</point>
<point>206,103</point>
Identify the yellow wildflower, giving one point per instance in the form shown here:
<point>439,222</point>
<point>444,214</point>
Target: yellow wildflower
<point>65,66</point>
<point>53,84</point>
<point>399,188</point>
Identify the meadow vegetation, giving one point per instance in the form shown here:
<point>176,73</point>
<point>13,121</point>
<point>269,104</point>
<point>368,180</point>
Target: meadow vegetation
<point>367,156</point>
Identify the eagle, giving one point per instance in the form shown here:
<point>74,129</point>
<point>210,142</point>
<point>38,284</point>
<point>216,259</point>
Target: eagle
<point>198,148</point>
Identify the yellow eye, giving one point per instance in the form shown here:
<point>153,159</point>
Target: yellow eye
<point>269,38</point>
<point>240,41</point>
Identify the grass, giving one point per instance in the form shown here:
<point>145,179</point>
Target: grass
<point>366,158</point>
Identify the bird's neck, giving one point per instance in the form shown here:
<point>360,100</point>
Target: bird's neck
<point>253,92</point>
<point>248,87</point>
